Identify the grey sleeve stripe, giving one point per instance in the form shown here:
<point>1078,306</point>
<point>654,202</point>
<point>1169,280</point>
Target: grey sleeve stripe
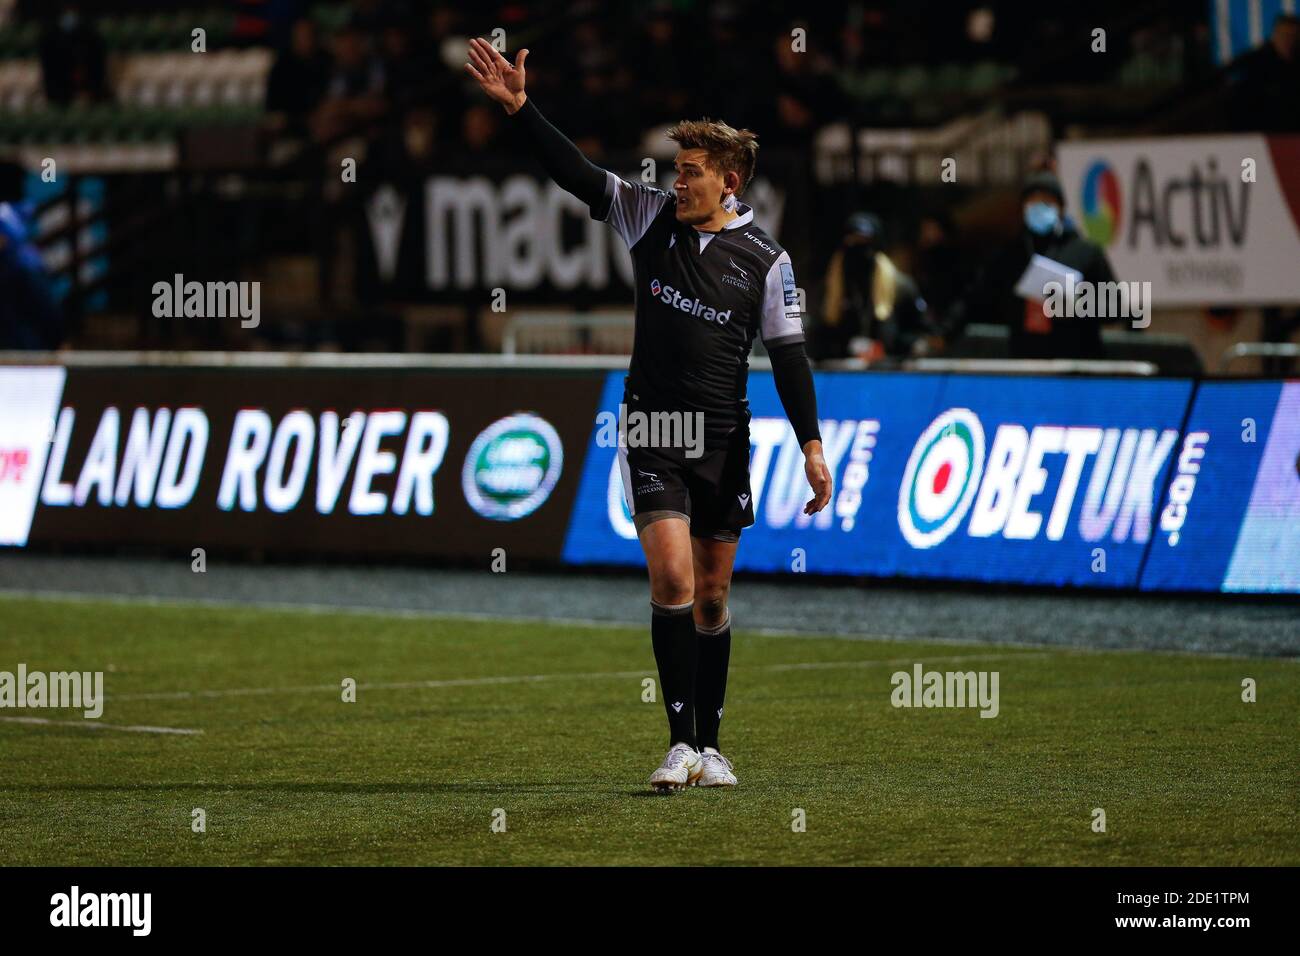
<point>601,212</point>
<point>632,207</point>
<point>780,322</point>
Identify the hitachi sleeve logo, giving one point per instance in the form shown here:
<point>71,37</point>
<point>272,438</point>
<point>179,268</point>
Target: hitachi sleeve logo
<point>673,297</point>
<point>760,243</point>
<point>948,476</point>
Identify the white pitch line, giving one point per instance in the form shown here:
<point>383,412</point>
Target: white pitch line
<point>418,614</point>
<point>539,678</point>
<point>95,725</point>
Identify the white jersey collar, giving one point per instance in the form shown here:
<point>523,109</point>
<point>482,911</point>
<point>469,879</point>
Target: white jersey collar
<point>744,219</point>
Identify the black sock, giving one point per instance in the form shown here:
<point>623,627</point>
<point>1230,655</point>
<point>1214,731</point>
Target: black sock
<point>672,631</point>
<point>711,682</point>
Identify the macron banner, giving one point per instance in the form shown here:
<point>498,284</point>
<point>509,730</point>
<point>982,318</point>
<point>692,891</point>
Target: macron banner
<point>1207,220</point>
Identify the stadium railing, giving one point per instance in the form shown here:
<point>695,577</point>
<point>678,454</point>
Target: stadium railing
<point>1258,350</point>
<point>542,332</point>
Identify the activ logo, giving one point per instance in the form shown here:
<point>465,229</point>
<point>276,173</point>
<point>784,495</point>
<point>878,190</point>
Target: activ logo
<point>942,475</point>
<point>1101,203</point>
<point>512,467</point>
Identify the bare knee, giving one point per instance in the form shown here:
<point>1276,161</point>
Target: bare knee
<point>711,604</point>
<point>671,588</point>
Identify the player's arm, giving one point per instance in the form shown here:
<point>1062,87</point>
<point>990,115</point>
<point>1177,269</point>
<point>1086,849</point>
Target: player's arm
<point>782,332</point>
<point>630,208</point>
<point>561,159</point>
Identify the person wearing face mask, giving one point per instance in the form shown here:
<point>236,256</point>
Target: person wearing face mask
<point>870,308</point>
<point>1046,230</point>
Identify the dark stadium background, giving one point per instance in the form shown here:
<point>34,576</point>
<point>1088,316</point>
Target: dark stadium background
<point>410,257</point>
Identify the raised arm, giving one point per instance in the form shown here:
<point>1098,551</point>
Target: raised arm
<point>562,160</point>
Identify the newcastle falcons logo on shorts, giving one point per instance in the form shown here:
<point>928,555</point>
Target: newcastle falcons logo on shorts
<point>651,483</point>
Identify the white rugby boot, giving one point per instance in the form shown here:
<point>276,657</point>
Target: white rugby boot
<point>715,771</point>
<point>679,770</point>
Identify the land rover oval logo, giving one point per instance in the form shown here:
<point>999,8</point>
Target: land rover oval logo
<point>512,467</point>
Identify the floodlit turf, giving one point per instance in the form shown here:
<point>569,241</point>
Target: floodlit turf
<point>549,726</point>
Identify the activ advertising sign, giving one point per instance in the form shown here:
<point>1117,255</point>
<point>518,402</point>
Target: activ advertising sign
<point>1031,480</point>
<point>1207,220</point>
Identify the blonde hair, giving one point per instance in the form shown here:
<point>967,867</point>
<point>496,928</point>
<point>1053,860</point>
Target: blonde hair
<point>730,150</point>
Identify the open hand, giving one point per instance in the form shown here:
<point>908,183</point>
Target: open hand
<point>498,79</point>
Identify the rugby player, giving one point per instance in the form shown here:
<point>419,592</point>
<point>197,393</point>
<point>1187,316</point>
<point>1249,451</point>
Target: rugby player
<point>707,281</point>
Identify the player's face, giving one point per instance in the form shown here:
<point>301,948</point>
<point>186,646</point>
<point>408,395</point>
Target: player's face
<point>698,187</point>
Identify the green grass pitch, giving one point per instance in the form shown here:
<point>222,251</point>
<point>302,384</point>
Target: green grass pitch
<point>456,719</point>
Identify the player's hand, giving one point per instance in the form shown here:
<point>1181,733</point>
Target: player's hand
<point>499,80</point>
<point>819,477</point>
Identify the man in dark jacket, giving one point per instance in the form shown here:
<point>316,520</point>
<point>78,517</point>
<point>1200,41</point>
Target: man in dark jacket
<point>993,297</point>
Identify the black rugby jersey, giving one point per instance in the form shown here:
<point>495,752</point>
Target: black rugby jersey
<point>701,298</point>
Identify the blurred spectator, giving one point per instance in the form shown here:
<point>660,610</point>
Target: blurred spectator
<point>29,316</point>
<point>406,76</point>
<point>1266,95</point>
<point>403,152</point>
<point>446,83</point>
<point>938,266</point>
<point>355,89</point>
<point>265,21</point>
<point>664,65</point>
<point>72,59</point>
<point>870,309</point>
<point>297,81</point>
<point>804,94</point>
<point>479,129</point>
<point>992,297</point>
